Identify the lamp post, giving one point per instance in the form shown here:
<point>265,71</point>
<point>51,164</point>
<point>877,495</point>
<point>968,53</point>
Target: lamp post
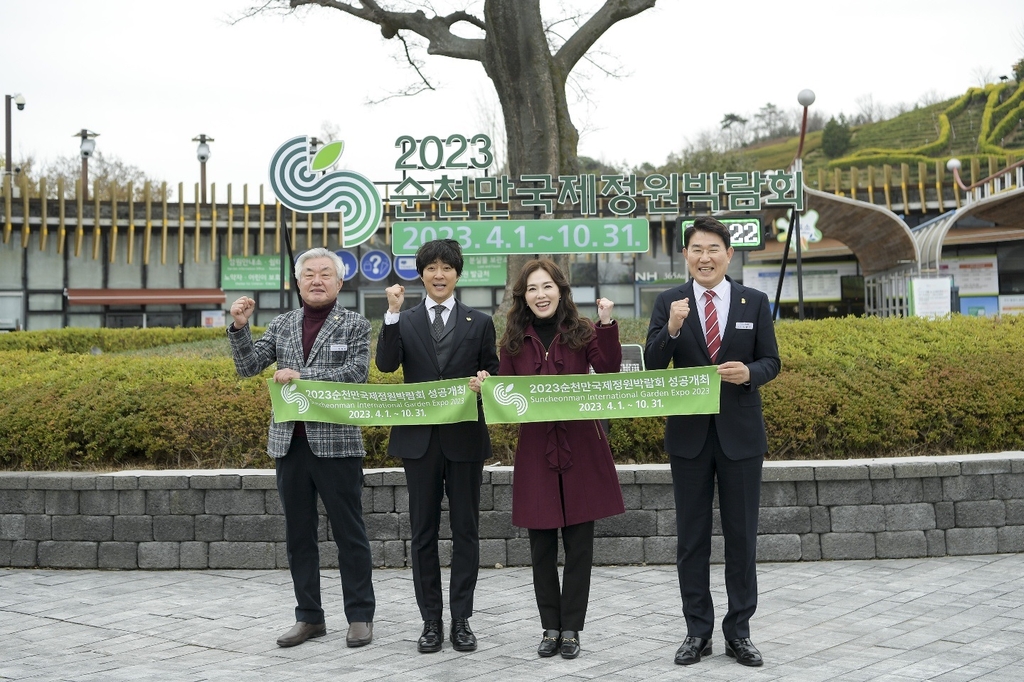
<point>203,154</point>
<point>19,101</point>
<point>806,99</point>
<point>87,147</point>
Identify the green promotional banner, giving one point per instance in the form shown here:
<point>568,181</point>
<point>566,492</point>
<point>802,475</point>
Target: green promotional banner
<point>693,390</point>
<point>433,402</point>
<point>255,273</point>
<point>506,237</point>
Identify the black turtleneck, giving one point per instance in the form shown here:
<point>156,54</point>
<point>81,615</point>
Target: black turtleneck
<point>312,321</point>
<point>546,330</point>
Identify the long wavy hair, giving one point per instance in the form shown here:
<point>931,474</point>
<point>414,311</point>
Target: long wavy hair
<point>576,332</point>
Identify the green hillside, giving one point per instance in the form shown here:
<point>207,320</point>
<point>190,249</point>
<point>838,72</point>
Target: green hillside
<point>982,122</point>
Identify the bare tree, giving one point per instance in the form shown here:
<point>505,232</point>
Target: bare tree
<point>983,75</point>
<point>528,63</point>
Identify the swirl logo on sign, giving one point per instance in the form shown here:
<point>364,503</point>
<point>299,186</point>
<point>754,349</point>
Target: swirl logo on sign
<point>301,188</point>
<point>504,395</point>
<point>290,394</point>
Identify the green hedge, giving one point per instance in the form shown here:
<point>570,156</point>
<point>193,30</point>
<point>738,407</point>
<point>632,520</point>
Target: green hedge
<point>849,387</point>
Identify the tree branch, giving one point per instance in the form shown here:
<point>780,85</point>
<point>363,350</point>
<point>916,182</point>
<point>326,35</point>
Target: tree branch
<point>436,29</point>
<point>612,12</point>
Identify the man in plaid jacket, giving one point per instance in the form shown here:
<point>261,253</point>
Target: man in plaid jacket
<point>321,341</point>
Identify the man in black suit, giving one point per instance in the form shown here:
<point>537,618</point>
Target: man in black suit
<point>732,329</point>
<point>437,339</point>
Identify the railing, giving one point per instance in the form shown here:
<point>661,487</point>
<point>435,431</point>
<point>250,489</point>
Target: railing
<point>927,188</point>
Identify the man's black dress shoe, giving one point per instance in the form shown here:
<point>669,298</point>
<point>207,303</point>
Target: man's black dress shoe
<point>462,637</point>
<point>300,632</point>
<point>430,640</point>
<point>549,644</point>
<point>744,651</point>
<point>570,645</point>
<point>692,648</point>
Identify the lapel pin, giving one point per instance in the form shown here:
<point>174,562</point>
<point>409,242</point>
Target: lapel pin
<point>743,301</point>
<point>469,319</point>
<point>336,318</point>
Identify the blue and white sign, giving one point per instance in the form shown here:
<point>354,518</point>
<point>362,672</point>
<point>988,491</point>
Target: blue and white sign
<point>350,263</point>
<point>376,265</point>
<point>405,267</point>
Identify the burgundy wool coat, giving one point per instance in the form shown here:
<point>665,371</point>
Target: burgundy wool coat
<point>576,451</point>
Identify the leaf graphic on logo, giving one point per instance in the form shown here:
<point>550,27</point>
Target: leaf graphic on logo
<point>327,156</point>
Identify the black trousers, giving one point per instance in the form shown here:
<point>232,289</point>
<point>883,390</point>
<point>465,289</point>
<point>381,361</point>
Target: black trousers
<point>428,479</point>
<point>301,476</point>
<point>565,607</point>
<point>739,495</point>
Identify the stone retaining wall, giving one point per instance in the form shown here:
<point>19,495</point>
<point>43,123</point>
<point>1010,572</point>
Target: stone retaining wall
<point>855,509</point>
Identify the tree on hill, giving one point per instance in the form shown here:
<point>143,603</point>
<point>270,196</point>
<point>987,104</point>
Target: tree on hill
<point>528,64</point>
<point>835,138</point>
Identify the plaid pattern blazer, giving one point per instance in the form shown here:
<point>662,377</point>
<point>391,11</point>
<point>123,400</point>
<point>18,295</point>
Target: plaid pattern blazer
<point>341,352</point>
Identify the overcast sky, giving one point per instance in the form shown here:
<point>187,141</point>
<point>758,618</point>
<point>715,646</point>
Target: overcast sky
<point>150,76</point>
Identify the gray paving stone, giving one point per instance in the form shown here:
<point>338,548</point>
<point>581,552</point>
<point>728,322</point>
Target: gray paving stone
<point>132,502</point>
<point>778,494</point>
<point>903,544</point>
<point>133,528</point>
<point>492,553</point>
<point>235,502</point>
<point>844,492</point>
<point>810,547</point>
<point>493,524</point>
<point>243,555</point>
<point>657,496</point>
<point>193,555</point>
<point>97,502</point>
<point>378,526</point>
<point>847,546</point>
<point>69,554</point>
<point>394,553</point>
<point>122,555</point>
<point>158,501</point>
<point>660,550</point>
<point>38,527</point>
<point>216,481</point>
<point>900,517</point>
<point>93,528</point>
<point>636,523</point>
<point>209,528</point>
<point>959,488</point>
<point>159,555</point>
<point>858,519</point>
<point>784,520</point>
<point>1010,539</point>
<point>174,528</point>
<point>962,541</point>
<point>936,540</point>
<point>24,553</point>
<point>61,502</point>
<point>779,548</point>
<point>980,514</point>
<point>12,527</point>
<point>132,626</point>
<point>192,501</point>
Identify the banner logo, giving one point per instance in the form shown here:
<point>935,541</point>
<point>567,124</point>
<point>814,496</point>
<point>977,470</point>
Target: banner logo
<point>290,394</point>
<point>504,396</point>
<point>307,187</point>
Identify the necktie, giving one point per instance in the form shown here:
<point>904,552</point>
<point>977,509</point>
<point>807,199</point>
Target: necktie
<point>437,326</point>
<point>711,334</point>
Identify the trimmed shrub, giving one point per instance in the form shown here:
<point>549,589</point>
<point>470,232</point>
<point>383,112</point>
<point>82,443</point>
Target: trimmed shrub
<point>853,387</point>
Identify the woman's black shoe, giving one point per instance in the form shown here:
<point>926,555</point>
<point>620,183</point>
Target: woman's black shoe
<point>570,647</point>
<point>549,644</point>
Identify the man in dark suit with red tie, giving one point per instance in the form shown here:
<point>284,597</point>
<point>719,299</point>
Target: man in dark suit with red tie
<point>712,320</point>
<point>440,338</point>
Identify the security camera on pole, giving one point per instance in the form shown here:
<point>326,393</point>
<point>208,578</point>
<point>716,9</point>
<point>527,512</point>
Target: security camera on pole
<point>87,147</point>
<point>203,154</point>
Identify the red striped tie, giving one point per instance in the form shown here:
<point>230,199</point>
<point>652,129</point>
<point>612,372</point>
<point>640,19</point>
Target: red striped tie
<point>711,334</point>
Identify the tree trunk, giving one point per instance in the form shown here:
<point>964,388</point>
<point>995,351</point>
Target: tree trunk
<point>531,91</point>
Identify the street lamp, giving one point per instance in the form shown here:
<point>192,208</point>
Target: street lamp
<point>87,147</point>
<point>203,154</point>
<point>19,100</point>
<point>806,99</point>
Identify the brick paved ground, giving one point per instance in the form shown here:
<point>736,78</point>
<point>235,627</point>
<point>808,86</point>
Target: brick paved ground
<point>948,619</point>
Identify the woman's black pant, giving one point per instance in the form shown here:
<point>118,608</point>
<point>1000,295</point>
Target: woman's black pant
<point>565,607</point>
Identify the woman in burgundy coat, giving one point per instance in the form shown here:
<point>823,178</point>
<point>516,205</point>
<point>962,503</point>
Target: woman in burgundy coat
<point>564,476</point>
